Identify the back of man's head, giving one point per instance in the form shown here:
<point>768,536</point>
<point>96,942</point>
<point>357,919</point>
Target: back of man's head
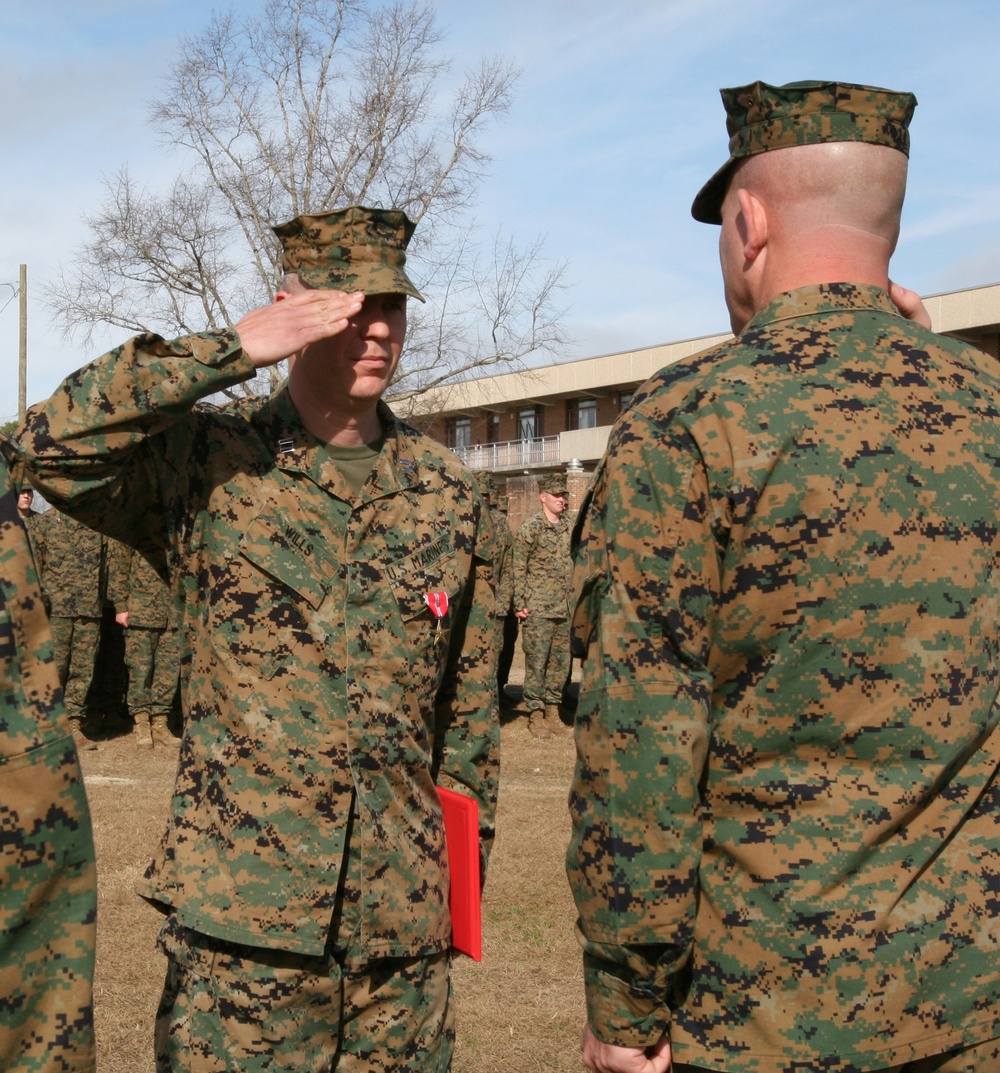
<point>850,186</point>
<point>813,188</point>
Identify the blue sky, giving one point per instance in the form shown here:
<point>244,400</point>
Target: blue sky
<point>616,124</point>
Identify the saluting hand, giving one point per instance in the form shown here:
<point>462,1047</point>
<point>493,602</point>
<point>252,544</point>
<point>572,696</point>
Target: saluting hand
<point>277,331</point>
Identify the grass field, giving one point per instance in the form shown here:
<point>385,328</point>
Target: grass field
<point>518,1011</point>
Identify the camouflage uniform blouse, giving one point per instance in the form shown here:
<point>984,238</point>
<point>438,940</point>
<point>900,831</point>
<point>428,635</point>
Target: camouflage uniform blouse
<point>48,885</point>
<point>786,820</point>
<point>542,567</point>
<point>314,677</point>
<point>71,564</point>
<point>135,586</point>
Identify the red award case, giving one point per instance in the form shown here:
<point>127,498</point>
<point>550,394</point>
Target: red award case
<point>461,830</point>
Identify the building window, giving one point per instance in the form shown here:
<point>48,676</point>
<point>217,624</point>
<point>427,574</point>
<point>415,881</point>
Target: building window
<point>624,400</point>
<point>529,423</point>
<point>581,413</point>
<point>460,433</point>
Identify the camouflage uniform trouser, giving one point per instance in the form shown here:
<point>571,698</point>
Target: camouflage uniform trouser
<point>75,643</point>
<point>980,1058</point>
<point>547,660</point>
<point>228,1007</point>
<point>152,657</point>
<point>975,1059</point>
<point>48,912</point>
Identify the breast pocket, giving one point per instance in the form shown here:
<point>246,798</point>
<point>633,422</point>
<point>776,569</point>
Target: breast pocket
<point>428,596</point>
<point>419,590</point>
<point>262,599</point>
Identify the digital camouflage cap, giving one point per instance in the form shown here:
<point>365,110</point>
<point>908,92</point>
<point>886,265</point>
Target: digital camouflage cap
<point>553,483</point>
<point>761,117</point>
<point>352,249</point>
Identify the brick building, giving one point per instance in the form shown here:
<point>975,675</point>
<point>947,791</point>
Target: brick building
<point>521,425</point>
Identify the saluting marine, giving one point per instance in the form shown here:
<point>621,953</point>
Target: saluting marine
<point>333,572</point>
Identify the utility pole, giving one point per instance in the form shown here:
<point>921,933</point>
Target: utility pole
<point>22,368</point>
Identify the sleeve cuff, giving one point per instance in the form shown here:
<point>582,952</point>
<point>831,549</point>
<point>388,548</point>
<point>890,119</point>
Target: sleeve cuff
<point>176,373</point>
<point>219,349</point>
<point>618,1012</point>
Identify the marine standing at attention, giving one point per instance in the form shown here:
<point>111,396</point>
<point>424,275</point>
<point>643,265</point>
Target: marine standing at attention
<point>786,815</point>
<point>333,570</point>
<point>543,579</point>
<point>145,610</point>
<point>72,566</point>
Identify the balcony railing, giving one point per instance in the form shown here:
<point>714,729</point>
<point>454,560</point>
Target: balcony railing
<point>513,454</point>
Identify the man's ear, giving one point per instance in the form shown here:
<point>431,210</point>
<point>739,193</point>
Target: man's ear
<point>754,229</point>
<point>282,295</point>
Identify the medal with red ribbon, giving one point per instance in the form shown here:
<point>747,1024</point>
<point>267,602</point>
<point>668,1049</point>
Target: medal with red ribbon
<point>438,603</point>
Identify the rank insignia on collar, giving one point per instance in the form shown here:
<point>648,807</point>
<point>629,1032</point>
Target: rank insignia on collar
<point>286,446</point>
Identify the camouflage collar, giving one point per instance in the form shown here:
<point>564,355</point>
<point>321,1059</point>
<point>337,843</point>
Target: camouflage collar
<point>290,444</point>
<point>821,298</point>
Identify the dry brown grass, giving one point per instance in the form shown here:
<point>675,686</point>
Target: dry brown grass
<point>129,791</point>
<point>522,1007</point>
<point>519,1010</point>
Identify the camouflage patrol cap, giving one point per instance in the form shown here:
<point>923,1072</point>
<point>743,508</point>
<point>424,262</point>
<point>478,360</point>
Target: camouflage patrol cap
<point>760,117</point>
<point>553,483</point>
<point>487,485</point>
<point>353,249</point>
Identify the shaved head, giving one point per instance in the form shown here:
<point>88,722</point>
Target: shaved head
<point>849,185</point>
<point>818,213</point>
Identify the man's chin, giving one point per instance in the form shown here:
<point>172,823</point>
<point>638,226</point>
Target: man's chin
<point>369,385</point>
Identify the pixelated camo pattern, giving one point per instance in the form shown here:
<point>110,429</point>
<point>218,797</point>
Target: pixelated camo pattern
<point>504,564</point>
<point>761,117</point>
<point>785,808</point>
<point>71,563</point>
<point>352,249</point>
<point>48,886</point>
<point>136,586</point>
<point>227,1008</point>
<point>315,680</point>
<point>542,567</point>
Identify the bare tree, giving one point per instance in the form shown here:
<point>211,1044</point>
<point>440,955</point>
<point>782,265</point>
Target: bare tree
<point>313,105</point>
<point>497,306</point>
<point>153,260</point>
